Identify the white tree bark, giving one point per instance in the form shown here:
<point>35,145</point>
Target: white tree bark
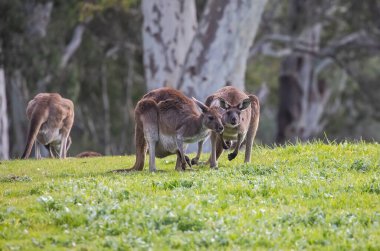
<point>314,100</point>
<point>220,48</point>
<point>38,18</point>
<point>4,137</point>
<point>74,44</point>
<point>168,29</point>
<point>198,61</point>
<point>305,110</point>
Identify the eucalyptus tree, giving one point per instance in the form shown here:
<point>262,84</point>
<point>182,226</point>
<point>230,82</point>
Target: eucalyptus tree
<point>198,57</point>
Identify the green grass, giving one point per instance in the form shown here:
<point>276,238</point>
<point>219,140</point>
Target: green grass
<point>312,196</point>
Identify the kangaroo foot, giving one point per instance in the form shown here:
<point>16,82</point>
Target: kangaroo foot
<point>231,156</point>
<point>182,166</point>
<point>194,161</point>
<point>226,144</point>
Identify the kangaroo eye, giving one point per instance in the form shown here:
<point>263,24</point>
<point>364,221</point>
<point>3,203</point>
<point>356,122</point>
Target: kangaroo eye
<point>210,118</point>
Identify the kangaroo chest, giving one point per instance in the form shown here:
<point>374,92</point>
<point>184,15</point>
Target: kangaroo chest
<point>196,138</point>
<point>47,135</point>
<point>230,133</point>
<point>167,144</point>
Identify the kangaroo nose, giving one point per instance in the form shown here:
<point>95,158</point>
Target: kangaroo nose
<point>233,121</point>
<point>220,129</point>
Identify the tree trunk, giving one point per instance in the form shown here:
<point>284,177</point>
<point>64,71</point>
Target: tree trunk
<point>219,51</point>
<point>38,18</point>
<point>303,95</point>
<point>128,113</point>
<point>316,93</point>
<point>106,107</point>
<point>18,96</point>
<point>4,136</point>
<point>168,29</point>
<point>73,45</point>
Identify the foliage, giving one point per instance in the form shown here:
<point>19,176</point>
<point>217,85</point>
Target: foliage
<point>311,196</point>
<point>111,41</point>
<point>352,110</point>
<point>89,9</point>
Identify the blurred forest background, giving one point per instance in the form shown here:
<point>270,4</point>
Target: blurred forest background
<point>315,65</point>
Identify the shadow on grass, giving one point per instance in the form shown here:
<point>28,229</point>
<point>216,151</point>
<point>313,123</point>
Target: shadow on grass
<point>131,171</point>
<point>14,178</point>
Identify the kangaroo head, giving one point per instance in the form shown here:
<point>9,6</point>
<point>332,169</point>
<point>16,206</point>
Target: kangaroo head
<point>211,118</point>
<point>231,116</point>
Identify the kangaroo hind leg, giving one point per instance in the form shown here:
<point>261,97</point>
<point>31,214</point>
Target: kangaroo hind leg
<point>253,125</point>
<point>148,115</point>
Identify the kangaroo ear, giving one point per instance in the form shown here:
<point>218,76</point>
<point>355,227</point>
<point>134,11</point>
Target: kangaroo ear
<point>224,104</point>
<point>203,107</point>
<point>215,102</point>
<point>244,104</point>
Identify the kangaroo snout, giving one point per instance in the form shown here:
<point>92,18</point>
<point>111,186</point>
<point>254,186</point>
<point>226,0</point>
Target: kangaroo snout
<point>233,121</point>
<point>231,118</point>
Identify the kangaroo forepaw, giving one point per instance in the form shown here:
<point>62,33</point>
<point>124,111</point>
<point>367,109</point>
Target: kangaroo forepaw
<point>231,156</point>
<point>226,144</point>
<point>183,165</point>
<point>194,161</point>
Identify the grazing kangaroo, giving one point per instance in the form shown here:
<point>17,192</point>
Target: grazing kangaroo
<point>51,118</point>
<point>240,119</point>
<point>88,154</point>
<point>166,120</point>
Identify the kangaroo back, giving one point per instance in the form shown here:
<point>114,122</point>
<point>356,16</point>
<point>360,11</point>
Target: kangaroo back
<point>37,119</point>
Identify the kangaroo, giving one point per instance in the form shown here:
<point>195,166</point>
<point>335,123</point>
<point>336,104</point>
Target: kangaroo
<point>88,154</point>
<point>51,118</point>
<point>167,120</point>
<point>240,119</point>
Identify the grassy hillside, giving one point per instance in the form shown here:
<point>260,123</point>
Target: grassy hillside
<point>312,196</point>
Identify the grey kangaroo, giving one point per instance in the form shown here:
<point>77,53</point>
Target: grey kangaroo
<point>166,120</point>
<point>51,118</point>
<point>240,119</point>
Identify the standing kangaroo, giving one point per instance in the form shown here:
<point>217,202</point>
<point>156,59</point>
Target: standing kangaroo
<point>166,120</point>
<point>51,118</point>
<point>240,119</point>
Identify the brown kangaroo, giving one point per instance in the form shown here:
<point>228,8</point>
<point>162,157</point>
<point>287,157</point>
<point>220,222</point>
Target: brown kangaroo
<point>88,154</point>
<point>51,118</point>
<point>166,120</point>
<point>240,119</point>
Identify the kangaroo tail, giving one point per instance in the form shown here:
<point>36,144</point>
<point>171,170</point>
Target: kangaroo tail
<point>37,119</point>
<point>145,109</point>
<point>141,148</point>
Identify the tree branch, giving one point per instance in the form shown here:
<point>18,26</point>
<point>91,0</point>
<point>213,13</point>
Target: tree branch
<point>72,47</point>
<point>265,45</point>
